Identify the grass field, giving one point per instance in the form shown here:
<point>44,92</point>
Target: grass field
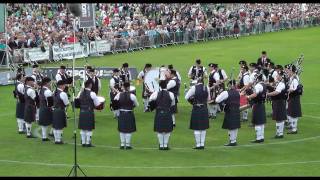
<point>295,155</point>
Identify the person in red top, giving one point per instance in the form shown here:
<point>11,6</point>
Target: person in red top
<point>71,39</point>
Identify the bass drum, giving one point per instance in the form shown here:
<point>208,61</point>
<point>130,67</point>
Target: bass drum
<point>151,79</point>
<point>102,101</point>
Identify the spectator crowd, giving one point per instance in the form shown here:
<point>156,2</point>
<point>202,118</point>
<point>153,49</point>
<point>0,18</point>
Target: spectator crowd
<point>36,25</point>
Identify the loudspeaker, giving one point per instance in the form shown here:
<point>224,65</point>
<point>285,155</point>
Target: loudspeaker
<point>74,8</point>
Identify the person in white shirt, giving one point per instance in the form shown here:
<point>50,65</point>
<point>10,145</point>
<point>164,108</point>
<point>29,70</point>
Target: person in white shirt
<point>174,87</point>
<point>88,102</point>
<point>115,88</point>
<point>162,100</point>
<point>30,105</point>
<point>45,109</point>
<point>197,71</point>
<point>95,81</point>
<point>170,67</point>
<point>127,123</point>
<point>19,95</point>
<point>279,113</point>
<point>198,95</point>
<point>59,119</point>
<point>243,86</point>
<point>258,109</point>
<point>145,91</point>
<point>232,111</point>
<point>37,76</point>
<point>294,105</point>
<point>217,78</point>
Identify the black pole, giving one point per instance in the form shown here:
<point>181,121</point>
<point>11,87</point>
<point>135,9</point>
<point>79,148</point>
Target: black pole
<point>75,165</point>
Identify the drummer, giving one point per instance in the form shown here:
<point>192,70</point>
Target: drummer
<point>145,91</point>
<point>88,101</point>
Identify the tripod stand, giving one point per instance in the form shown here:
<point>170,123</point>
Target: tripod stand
<point>75,165</point>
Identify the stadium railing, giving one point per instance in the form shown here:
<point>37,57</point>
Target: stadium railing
<point>162,39</point>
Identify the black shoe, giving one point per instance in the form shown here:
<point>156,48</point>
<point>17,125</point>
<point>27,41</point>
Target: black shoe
<point>278,137</point>
<point>45,139</point>
<point>121,147</point>
<point>174,126</point>
<point>128,147</point>
<point>292,132</point>
<point>31,136</point>
<point>83,145</point>
<point>197,147</point>
<point>21,132</point>
<point>213,117</point>
<point>90,145</point>
<point>231,144</point>
<point>201,147</point>
<point>50,135</point>
<point>244,120</point>
<point>250,125</point>
<point>258,141</point>
<point>166,148</point>
<point>161,148</point>
<point>59,142</point>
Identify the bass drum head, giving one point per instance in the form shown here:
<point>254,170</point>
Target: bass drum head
<point>151,79</point>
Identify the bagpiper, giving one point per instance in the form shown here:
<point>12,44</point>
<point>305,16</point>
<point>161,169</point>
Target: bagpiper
<point>127,123</point>
<point>162,101</point>
<point>198,95</point>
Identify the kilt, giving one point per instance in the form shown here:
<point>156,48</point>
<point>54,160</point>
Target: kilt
<point>199,118</point>
<point>29,113</point>
<point>279,112</point>
<point>45,116</point>
<point>127,122</point>
<point>59,119</point>
<point>258,114</point>
<point>163,121</point>
<point>86,120</point>
<point>20,110</point>
<point>231,119</point>
<point>294,107</point>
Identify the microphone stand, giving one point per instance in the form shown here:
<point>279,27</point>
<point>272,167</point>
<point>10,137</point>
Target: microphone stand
<point>75,166</point>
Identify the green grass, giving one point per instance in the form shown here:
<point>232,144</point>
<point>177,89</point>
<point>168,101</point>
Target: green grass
<point>295,155</point>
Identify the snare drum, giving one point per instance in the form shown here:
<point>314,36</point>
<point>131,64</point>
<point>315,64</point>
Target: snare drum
<point>243,100</point>
<point>133,90</point>
<point>102,102</point>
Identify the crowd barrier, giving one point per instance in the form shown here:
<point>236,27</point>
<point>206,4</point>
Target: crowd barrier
<point>162,39</point>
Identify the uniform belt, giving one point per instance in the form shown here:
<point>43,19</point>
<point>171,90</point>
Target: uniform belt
<point>199,105</point>
<point>125,110</point>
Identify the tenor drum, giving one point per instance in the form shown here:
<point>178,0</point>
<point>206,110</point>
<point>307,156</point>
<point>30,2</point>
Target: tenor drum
<point>133,90</point>
<point>102,102</point>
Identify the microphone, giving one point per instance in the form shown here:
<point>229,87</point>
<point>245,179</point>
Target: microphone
<point>74,8</point>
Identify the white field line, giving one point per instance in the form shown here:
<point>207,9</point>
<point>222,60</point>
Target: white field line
<point>161,167</point>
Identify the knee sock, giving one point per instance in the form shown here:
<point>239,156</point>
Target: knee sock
<point>202,137</point>
<point>44,131</point>
<point>197,138</point>
<point>83,136</point>
<point>128,138</point>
